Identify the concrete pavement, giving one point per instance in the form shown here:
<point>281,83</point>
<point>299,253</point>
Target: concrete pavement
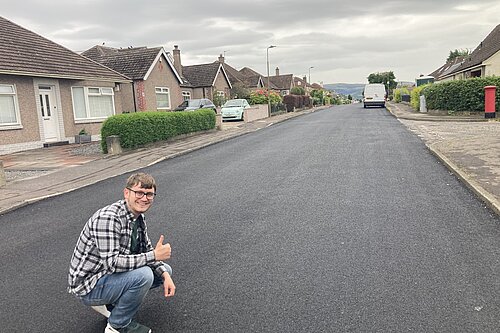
<point>468,145</point>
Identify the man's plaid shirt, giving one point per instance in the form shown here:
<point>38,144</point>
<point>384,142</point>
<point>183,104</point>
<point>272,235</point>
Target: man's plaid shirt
<point>104,248</point>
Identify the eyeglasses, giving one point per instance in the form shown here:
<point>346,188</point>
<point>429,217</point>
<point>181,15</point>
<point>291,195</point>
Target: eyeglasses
<point>140,194</point>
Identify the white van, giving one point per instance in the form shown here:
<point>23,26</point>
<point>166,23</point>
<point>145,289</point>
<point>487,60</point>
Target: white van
<point>374,94</point>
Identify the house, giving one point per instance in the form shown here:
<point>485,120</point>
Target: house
<point>250,73</point>
<point>298,82</point>
<point>207,80</point>
<point>245,78</point>
<point>48,93</point>
<point>483,61</point>
<point>156,83</point>
<point>282,83</point>
<point>204,80</point>
<point>443,72</point>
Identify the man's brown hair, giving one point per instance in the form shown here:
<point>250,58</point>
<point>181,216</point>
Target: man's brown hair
<point>143,179</point>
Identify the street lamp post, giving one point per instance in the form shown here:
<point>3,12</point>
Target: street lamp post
<point>310,75</point>
<point>268,97</point>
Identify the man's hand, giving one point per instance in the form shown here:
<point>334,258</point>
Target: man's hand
<point>168,285</point>
<point>161,251</point>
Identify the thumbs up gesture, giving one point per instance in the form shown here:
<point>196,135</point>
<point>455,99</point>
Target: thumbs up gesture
<point>162,251</point>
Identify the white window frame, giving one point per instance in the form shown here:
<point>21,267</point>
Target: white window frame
<point>17,123</point>
<point>91,91</point>
<point>163,91</point>
<point>186,95</point>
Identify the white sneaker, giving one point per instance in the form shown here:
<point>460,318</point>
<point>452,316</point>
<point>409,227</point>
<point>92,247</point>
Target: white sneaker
<point>110,329</point>
<point>133,327</point>
<point>102,309</point>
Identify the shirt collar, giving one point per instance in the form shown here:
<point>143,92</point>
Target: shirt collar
<point>130,216</point>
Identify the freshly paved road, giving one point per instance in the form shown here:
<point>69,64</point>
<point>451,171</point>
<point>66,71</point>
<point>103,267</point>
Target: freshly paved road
<point>336,221</point>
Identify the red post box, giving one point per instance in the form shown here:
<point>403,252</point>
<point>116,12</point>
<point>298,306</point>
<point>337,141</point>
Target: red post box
<point>489,101</point>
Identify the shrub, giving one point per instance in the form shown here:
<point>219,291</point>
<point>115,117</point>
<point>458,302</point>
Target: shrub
<point>260,97</point>
<point>460,95</point>
<point>297,91</point>
<point>218,100</point>
<point>398,93</point>
<point>415,96</point>
<point>136,129</point>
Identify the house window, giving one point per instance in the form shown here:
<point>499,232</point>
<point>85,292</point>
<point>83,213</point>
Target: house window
<point>93,102</point>
<point>9,110</point>
<point>221,93</point>
<point>162,98</point>
<point>186,95</point>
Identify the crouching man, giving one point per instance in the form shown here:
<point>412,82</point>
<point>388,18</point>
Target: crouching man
<point>114,264</point>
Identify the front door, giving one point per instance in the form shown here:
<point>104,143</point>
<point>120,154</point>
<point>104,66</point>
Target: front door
<point>48,110</point>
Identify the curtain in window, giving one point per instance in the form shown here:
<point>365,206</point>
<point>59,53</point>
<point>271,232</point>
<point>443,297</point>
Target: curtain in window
<point>7,110</point>
<point>100,106</point>
<point>162,101</point>
<point>79,103</point>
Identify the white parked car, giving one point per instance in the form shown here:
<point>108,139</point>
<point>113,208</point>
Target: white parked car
<point>234,109</point>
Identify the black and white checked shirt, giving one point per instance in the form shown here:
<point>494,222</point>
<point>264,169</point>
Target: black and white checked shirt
<point>104,248</point>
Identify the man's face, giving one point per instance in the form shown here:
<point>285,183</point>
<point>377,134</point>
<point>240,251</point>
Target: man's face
<point>137,200</point>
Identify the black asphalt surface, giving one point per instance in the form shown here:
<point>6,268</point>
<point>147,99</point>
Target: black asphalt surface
<point>336,221</point>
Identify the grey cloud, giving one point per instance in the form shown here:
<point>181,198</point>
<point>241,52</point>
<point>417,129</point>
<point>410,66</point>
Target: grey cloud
<point>320,33</point>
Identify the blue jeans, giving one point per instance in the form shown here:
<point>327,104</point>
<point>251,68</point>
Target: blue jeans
<point>125,291</point>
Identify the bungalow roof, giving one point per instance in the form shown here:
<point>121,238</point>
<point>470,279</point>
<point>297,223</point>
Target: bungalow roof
<point>203,75</point>
<point>487,48</point>
<point>282,81</point>
<point>134,62</point>
<point>23,52</point>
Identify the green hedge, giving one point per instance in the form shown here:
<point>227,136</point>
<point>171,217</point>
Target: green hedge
<point>136,129</point>
<point>460,95</point>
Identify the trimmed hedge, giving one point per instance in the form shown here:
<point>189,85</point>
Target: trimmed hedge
<point>460,95</point>
<point>296,102</point>
<point>136,129</point>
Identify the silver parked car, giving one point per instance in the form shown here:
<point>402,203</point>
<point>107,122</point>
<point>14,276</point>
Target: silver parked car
<point>195,104</point>
<point>234,109</point>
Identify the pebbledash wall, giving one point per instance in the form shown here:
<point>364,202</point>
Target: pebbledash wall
<point>25,135</point>
<point>161,76</point>
<point>28,134</point>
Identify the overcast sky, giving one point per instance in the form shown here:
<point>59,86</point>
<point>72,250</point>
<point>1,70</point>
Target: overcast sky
<point>344,41</point>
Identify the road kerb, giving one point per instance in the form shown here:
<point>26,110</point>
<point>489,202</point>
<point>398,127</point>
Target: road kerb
<point>490,201</point>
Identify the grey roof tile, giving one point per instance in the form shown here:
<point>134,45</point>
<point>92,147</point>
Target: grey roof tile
<point>23,52</point>
<point>201,75</point>
<point>488,47</point>
<point>282,81</point>
<point>132,62</point>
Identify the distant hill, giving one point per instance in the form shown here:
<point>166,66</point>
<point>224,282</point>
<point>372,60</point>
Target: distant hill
<point>353,89</point>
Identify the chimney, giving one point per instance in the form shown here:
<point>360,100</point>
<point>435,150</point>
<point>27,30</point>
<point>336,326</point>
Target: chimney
<point>277,71</point>
<point>177,59</point>
<point>305,79</point>
<point>221,58</point>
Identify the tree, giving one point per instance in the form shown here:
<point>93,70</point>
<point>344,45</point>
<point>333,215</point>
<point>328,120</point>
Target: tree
<point>457,53</point>
<point>240,91</point>
<point>297,91</point>
<point>387,78</point>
